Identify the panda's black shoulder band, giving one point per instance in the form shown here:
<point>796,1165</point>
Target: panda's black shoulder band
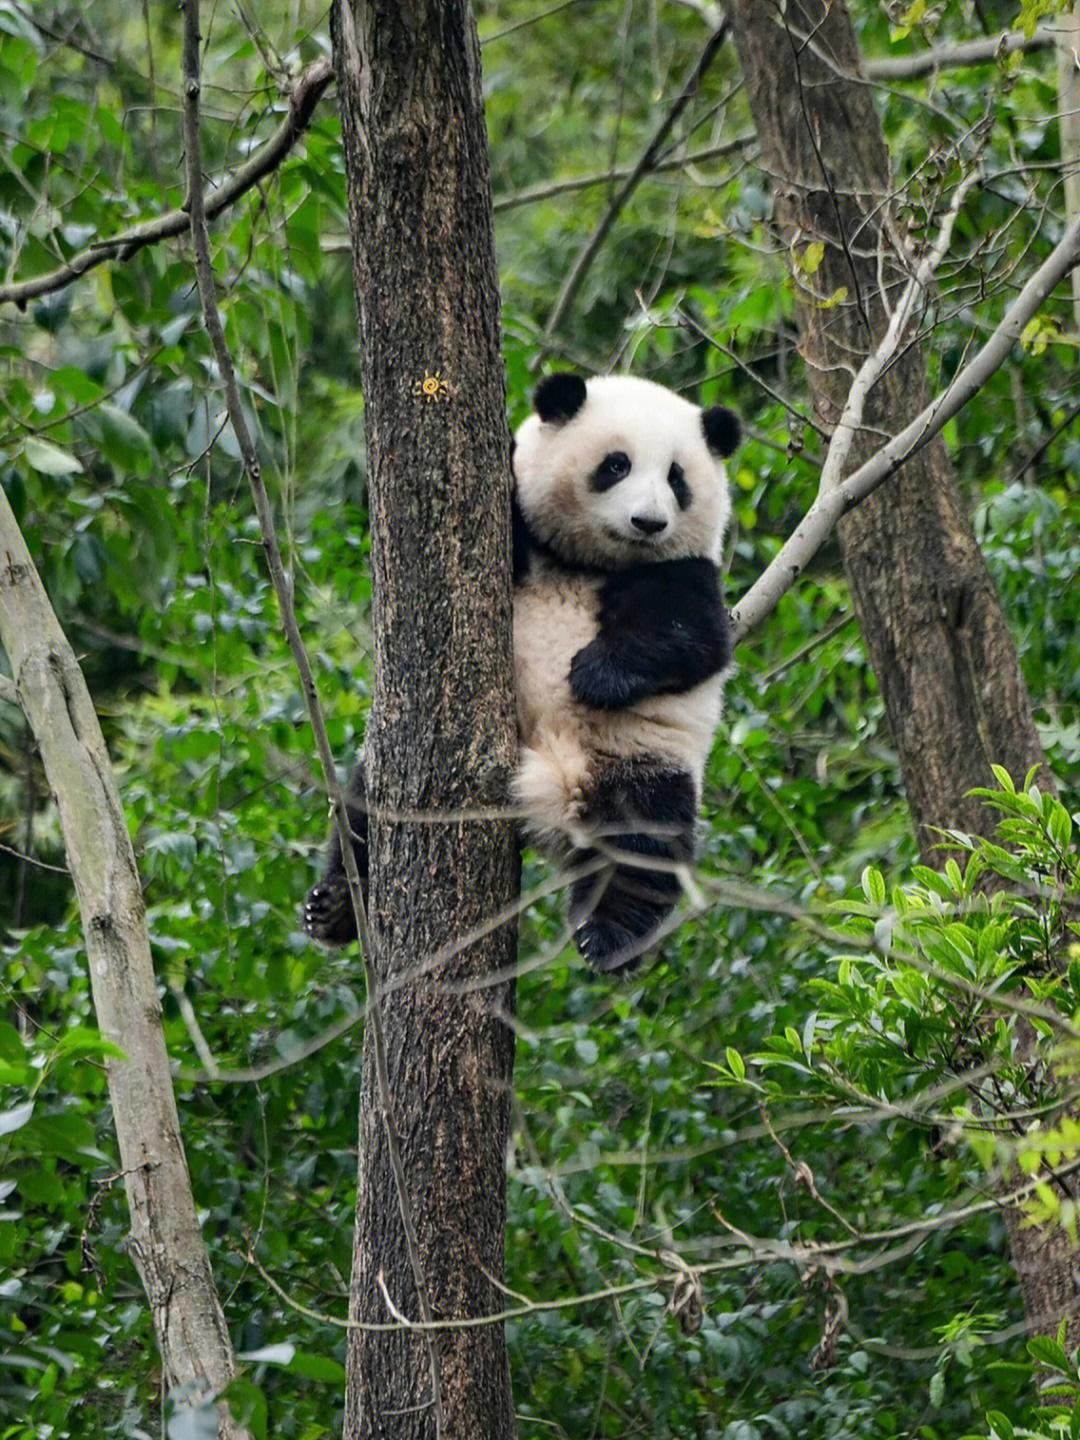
<point>722,430</point>
<point>559,397</point>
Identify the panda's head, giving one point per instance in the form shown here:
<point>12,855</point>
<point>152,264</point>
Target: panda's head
<point>615,471</point>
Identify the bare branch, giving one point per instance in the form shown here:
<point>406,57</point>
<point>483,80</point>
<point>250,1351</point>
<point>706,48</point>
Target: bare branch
<point>1068,72</point>
<point>647,161</point>
<point>873,366</point>
<point>551,189</point>
<point>955,57</point>
<point>8,693</point>
<point>66,40</point>
<point>818,522</point>
<point>305,95</point>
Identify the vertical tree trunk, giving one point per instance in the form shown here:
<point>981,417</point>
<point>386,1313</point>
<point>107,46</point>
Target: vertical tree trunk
<point>165,1241</point>
<point>927,608</point>
<point>440,740</point>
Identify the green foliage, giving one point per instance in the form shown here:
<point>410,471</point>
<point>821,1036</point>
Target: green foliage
<point>951,1011</point>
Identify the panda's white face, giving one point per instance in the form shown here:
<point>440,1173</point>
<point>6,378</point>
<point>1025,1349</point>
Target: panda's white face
<point>618,471</point>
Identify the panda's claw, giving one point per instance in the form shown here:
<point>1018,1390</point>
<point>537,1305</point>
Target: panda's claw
<point>609,948</point>
<point>328,914</point>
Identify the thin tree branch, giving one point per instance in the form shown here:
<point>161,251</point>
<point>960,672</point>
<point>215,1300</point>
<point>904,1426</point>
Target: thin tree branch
<point>818,522</point>
<point>551,189</point>
<point>955,57</point>
<point>646,163</point>
<point>303,99</point>
<point>829,1255</point>
<point>200,239</point>
<point>871,369</point>
<point>688,322</point>
<point>65,40</point>
<point>8,692</point>
<point>1041,449</point>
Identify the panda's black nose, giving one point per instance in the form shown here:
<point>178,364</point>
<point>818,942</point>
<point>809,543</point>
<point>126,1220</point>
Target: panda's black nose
<point>647,525</point>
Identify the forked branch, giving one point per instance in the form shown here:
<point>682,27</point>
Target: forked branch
<point>818,522</point>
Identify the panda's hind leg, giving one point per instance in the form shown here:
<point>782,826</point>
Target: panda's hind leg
<point>328,909</point>
<point>641,814</point>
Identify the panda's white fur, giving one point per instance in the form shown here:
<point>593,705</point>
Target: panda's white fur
<point>581,534</point>
<point>654,427</point>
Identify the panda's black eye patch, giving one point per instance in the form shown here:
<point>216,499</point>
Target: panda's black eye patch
<point>610,471</point>
<point>679,488</point>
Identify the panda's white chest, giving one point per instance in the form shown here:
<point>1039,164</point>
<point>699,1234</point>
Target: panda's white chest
<point>554,617</point>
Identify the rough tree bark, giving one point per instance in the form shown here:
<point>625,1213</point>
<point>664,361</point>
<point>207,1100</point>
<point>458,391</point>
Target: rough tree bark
<point>440,740</point>
<point>165,1241</point>
<point>927,608</point>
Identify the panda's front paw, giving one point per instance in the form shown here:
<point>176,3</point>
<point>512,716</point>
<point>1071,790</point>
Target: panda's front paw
<point>597,681</point>
<point>328,913</point>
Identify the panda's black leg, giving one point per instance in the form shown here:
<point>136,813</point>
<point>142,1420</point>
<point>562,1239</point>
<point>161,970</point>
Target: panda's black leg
<point>643,816</point>
<point>328,910</point>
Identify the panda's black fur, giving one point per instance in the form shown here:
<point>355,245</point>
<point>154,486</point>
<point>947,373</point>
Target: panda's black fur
<point>621,645</point>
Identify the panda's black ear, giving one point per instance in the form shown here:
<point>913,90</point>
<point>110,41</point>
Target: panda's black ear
<point>722,430</point>
<point>559,397</point>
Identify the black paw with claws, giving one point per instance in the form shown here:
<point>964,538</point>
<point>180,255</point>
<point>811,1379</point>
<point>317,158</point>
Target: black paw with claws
<point>328,913</point>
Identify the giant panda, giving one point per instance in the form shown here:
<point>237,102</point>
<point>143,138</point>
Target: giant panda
<point>621,647</point>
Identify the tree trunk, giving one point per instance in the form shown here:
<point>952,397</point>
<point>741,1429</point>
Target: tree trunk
<point>440,740</point>
<point>165,1241</point>
<point>929,615</point>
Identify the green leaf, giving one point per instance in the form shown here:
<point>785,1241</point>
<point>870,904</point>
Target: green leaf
<point>736,1064</point>
<point>49,459</point>
<point>1049,1353</point>
<point>873,885</point>
<point>937,1389</point>
<point>1004,779</point>
<point>247,1404</point>
<point>15,1118</point>
<point>1059,826</point>
<point>317,1367</point>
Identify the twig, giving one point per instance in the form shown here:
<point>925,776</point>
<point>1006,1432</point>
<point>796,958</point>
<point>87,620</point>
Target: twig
<point>194,1029</point>
<point>829,1256</point>
<point>302,102</point>
<point>65,40</point>
<point>827,176</point>
<point>25,859</point>
<point>589,251</point>
<point>1041,449</point>
<point>819,521</point>
<point>880,356</point>
<point>687,321</point>
<point>803,1175</point>
<point>551,189</point>
<point>200,240</point>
